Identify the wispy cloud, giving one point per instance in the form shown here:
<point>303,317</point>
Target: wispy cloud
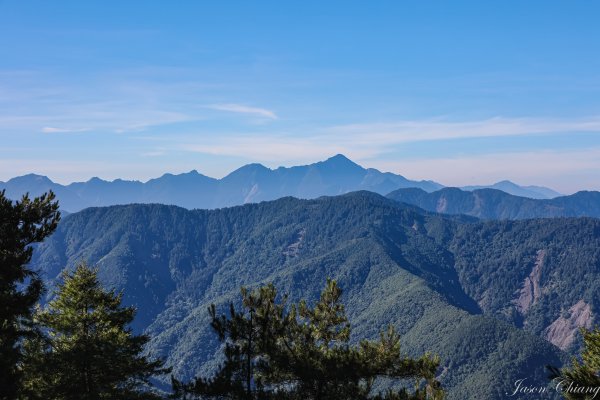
<point>368,141</point>
<point>113,104</point>
<point>437,129</point>
<point>49,129</point>
<point>32,102</point>
<point>371,144</point>
<point>156,153</point>
<point>276,148</point>
<point>167,113</point>
<point>242,109</point>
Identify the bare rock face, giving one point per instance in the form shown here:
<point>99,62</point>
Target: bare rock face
<point>294,248</point>
<point>478,204</point>
<point>562,332</point>
<point>531,290</point>
<point>249,198</point>
<point>442,205</point>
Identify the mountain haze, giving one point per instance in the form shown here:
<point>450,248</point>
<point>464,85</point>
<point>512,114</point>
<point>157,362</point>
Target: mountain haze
<point>492,299</point>
<point>534,192</point>
<point>248,184</point>
<point>496,204</point>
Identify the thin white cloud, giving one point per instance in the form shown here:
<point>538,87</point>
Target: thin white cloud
<point>128,103</point>
<point>110,105</point>
<point>116,118</point>
<point>276,148</point>
<point>368,141</point>
<point>563,170</point>
<point>157,153</point>
<point>49,129</point>
<point>425,130</point>
<point>242,109</point>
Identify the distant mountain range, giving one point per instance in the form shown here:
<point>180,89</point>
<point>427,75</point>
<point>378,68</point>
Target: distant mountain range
<point>497,300</point>
<point>496,204</point>
<point>248,184</point>
<point>533,192</point>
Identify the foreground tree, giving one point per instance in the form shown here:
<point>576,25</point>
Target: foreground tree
<point>22,223</point>
<point>89,351</point>
<point>582,380</point>
<point>277,352</point>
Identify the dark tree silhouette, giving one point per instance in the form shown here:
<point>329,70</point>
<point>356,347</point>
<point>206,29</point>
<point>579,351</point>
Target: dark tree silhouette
<point>89,352</point>
<point>300,352</point>
<point>22,223</point>
<point>581,381</point>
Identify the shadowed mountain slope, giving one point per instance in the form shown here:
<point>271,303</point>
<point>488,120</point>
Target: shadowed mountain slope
<point>440,280</point>
<point>495,204</point>
<point>533,192</point>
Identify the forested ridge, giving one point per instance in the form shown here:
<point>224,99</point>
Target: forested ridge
<point>429,276</point>
<point>496,204</point>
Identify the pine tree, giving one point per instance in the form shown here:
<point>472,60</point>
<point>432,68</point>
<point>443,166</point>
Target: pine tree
<point>245,335</point>
<point>582,380</point>
<point>276,352</point>
<point>22,224</point>
<point>89,352</point>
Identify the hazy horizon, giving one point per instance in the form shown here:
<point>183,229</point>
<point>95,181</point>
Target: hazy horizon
<point>144,180</point>
<point>462,93</point>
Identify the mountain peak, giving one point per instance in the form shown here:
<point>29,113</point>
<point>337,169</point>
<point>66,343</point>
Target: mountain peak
<point>193,174</point>
<point>339,158</point>
<point>38,179</point>
<point>505,182</point>
<point>246,170</point>
<point>252,167</point>
<point>340,161</point>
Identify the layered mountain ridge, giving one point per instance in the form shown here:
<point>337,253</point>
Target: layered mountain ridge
<point>497,300</point>
<point>248,184</point>
<point>496,204</point>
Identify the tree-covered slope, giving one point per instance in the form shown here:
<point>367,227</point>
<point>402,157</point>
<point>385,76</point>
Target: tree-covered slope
<point>397,264</point>
<point>541,274</point>
<point>496,204</point>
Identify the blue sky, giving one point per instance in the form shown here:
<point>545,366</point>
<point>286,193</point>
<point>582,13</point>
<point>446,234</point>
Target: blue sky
<point>459,92</point>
